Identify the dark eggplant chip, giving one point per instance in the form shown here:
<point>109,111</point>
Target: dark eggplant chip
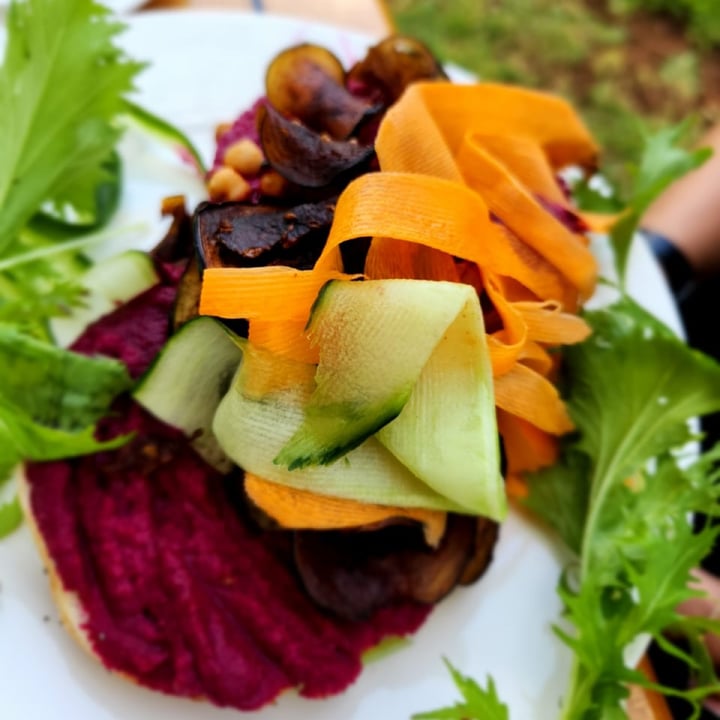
<point>395,63</point>
<point>178,241</point>
<point>352,574</point>
<point>176,249</point>
<point>243,235</point>
<point>486,535</point>
<point>306,158</point>
<point>307,82</point>
<point>187,301</point>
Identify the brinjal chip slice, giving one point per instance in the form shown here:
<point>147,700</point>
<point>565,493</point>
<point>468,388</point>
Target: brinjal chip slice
<point>307,82</point>
<point>304,157</point>
<point>354,573</point>
<point>187,301</point>
<point>486,535</point>
<point>395,63</point>
<point>244,235</point>
<point>177,243</point>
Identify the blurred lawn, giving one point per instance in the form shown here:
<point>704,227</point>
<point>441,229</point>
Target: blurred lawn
<point>513,40</point>
<point>562,46</point>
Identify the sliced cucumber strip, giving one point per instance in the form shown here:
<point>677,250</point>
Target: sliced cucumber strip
<point>263,408</point>
<point>108,283</point>
<point>184,385</point>
<point>407,360</point>
<point>447,434</point>
<point>374,339</point>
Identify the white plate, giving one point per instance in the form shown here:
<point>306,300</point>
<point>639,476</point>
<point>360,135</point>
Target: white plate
<point>205,68</point>
<point>121,7</point>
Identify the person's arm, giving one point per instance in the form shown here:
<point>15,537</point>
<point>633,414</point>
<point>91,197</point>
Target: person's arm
<point>687,214</point>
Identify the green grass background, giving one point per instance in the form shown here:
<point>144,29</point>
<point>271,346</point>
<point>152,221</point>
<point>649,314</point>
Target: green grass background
<point>580,49</point>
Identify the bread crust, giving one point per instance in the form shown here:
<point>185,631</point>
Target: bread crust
<point>71,611</point>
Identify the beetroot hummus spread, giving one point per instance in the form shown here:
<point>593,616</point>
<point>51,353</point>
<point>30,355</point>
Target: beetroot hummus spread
<point>182,592</point>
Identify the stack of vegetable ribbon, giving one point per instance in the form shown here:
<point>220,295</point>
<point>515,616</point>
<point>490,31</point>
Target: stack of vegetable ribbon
<point>482,205</point>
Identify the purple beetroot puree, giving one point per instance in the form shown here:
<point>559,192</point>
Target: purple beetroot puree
<point>243,127</point>
<point>182,593</point>
<point>135,331</point>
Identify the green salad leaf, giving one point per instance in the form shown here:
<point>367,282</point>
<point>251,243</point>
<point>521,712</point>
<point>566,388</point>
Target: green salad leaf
<point>50,400</point>
<point>62,85</point>
<point>10,517</point>
<point>623,497</point>
<point>632,386</point>
<point>478,703</point>
<point>623,500</point>
<point>56,387</point>
<point>663,161</point>
<point>10,512</point>
<point>641,563</point>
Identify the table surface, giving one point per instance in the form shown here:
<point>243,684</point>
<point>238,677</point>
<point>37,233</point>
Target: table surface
<point>373,17</point>
<point>369,16</point>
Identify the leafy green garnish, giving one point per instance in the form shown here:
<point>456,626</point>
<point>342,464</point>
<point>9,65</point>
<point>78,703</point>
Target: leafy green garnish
<point>55,387</point>
<point>640,566</point>
<point>663,161</point>
<point>478,703</point>
<point>384,648</point>
<point>63,84</point>
<point>29,439</point>
<point>50,400</point>
<point>10,517</point>
<point>632,387</point>
<point>620,499</point>
<point>61,87</point>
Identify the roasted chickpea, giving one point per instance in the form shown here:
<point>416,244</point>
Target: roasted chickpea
<point>273,184</point>
<point>226,184</point>
<point>244,156</point>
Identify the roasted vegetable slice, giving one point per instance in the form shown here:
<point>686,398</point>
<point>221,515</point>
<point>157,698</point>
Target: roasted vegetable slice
<point>486,535</point>
<point>307,82</point>
<point>307,158</point>
<point>177,243</point>
<point>242,235</point>
<point>393,64</point>
<point>354,573</point>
